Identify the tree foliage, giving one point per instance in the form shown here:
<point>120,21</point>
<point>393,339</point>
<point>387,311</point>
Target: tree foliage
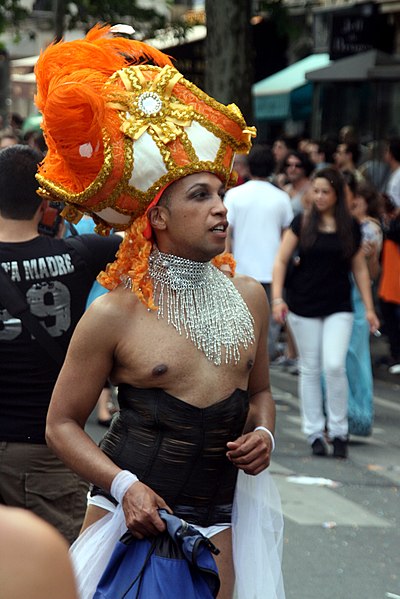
<point>144,20</point>
<point>278,12</point>
<point>11,14</point>
<point>68,15</point>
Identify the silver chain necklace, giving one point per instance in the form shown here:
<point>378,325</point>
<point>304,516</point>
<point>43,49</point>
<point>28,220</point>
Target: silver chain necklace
<point>201,302</point>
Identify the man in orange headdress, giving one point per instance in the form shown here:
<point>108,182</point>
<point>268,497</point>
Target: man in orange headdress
<point>142,149</point>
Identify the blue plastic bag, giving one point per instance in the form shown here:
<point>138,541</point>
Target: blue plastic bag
<point>177,564</point>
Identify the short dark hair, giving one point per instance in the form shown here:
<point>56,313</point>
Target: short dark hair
<point>328,147</point>
<point>290,141</point>
<point>351,180</point>
<point>165,198</point>
<point>372,198</point>
<point>394,148</point>
<point>18,186</point>
<point>306,163</point>
<point>353,149</point>
<point>261,161</point>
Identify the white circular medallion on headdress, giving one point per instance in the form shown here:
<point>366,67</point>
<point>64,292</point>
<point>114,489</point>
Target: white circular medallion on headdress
<point>149,103</point>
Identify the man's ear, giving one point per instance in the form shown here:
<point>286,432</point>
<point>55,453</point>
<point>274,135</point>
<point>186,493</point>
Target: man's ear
<point>158,217</point>
<point>41,209</point>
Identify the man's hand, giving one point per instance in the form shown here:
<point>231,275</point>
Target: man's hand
<point>251,452</point>
<point>141,507</point>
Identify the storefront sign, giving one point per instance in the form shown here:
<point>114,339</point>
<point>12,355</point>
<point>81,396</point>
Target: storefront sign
<point>359,29</point>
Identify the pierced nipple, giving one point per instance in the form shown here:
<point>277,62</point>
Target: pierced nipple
<point>159,369</point>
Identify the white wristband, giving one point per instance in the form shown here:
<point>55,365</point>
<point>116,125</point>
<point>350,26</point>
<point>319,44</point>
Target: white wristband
<point>263,428</point>
<point>121,484</point>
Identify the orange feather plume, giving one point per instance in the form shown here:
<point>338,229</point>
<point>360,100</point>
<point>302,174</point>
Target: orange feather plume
<point>72,98</point>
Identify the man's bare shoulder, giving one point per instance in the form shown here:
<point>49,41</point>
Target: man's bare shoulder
<point>248,287</point>
<point>253,294</point>
<point>112,304</point>
<point>105,320</point>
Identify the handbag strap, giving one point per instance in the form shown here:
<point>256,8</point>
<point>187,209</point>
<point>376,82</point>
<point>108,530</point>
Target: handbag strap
<point>75,241</point>
<point>15,303</point>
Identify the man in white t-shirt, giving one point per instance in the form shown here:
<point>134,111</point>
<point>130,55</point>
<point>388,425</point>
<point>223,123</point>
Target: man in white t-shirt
<point>392,157</point>
<point>258,213</point>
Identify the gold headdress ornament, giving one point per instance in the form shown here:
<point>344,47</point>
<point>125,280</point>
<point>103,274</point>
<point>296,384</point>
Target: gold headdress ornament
<point>119,130</point>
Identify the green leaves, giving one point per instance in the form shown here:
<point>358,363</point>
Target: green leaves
<point>85,13</point>
<point>11,14</point>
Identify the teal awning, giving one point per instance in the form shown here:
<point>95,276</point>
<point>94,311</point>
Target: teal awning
<point>287,94</point>
<point>301,100</point>
<point>32,123</point>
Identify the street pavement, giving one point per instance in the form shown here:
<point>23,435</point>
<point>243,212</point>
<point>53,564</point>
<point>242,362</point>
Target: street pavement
<point>342,533</point>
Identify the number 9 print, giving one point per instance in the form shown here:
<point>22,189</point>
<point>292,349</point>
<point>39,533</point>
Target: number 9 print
<point>50,302</point>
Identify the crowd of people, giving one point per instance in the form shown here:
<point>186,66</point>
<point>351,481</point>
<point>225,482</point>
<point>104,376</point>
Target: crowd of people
<point>20,131</point>
<point>335,278</point>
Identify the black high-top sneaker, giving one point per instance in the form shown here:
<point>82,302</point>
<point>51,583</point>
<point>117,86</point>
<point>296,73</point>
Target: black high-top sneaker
<point>340,447</point>
<point>318,447</point>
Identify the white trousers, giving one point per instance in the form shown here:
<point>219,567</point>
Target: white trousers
<point>322,344</point>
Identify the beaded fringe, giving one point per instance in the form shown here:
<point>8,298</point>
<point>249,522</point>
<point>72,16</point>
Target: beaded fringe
<point>201,302</point>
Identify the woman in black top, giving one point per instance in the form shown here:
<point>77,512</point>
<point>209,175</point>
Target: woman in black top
<point>318,305</point>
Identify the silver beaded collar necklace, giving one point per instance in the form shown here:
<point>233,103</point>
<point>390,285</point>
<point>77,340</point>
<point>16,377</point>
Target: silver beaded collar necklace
<point>201,302</point>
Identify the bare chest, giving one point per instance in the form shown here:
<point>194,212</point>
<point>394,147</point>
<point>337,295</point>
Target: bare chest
<point>152,353</point>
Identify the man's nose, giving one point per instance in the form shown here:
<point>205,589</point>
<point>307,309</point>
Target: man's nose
<point>219,206</point>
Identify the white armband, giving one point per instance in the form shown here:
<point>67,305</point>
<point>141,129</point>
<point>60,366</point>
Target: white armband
<point>121,483</point>
<point>263,428</point>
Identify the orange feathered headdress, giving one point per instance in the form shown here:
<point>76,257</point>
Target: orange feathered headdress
<point>121,123</point>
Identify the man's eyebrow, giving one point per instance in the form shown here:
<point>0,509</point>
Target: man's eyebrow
<point>201,184</point>
<point>206,186</point>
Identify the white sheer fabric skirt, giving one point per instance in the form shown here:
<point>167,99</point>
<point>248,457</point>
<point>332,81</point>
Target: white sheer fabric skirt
<point>257,527</point>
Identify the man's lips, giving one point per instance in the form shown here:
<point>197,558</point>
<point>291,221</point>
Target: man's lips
<point>220,228</point>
